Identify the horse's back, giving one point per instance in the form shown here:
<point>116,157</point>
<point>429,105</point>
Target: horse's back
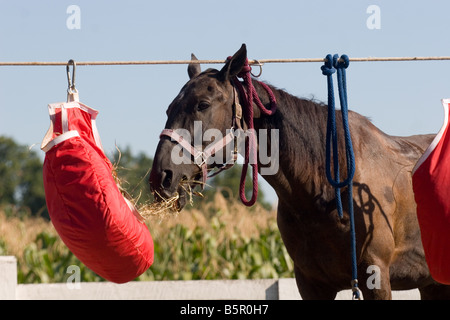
<point>414,146</point>
<point>408,147</point>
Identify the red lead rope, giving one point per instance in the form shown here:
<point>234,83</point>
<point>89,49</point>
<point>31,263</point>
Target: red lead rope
<point>248,91</point>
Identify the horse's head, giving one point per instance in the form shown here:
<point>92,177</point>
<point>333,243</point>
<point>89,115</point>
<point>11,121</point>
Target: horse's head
<point>202,112</point>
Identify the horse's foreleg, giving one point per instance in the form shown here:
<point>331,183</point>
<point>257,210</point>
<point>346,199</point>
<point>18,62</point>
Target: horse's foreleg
<point>374,282</point>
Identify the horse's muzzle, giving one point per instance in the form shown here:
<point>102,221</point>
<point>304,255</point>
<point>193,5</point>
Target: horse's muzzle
<point>168,179</point>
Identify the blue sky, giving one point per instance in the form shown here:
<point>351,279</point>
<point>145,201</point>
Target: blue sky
<point>401,98</point>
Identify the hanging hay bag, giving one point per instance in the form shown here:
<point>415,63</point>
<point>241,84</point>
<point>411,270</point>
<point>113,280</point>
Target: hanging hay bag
<point>431,184</point>
<point>101,228</point>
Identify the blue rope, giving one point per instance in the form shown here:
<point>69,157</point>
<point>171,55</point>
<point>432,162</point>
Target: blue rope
<point>333,63</point>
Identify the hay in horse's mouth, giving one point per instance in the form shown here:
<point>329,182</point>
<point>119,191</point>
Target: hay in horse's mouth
<point>164,207</point>
<point>161,208</point>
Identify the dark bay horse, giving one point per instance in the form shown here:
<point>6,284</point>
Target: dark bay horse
<point>389,250</point>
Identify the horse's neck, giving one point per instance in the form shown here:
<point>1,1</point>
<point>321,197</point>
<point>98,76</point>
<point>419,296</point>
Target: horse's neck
<point>301,128</point>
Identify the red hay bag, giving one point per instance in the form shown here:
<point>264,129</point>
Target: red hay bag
<point>431,184</point>
<point>93,219</point>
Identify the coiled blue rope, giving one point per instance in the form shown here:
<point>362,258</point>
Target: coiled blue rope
<point>333,63</point>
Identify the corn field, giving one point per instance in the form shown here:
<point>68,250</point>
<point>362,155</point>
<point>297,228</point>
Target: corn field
<point>218,240</point>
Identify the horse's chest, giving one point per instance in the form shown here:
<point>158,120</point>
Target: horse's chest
<point>316,246</point>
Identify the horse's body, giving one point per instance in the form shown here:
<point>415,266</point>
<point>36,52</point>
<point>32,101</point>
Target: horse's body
<point>387,232</point>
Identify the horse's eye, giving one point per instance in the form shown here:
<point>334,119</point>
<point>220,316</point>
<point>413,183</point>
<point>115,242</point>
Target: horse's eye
<point>203,105</point>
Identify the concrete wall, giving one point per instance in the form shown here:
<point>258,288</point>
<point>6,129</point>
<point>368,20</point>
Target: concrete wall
<point>263,289</point>
<point>8,277</point>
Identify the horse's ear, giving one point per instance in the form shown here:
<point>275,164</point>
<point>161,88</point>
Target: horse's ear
<point>193,68</point>
<point>234,64</point>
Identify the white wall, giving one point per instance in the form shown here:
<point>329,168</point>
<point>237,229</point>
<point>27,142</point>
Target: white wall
<point>263,289</point>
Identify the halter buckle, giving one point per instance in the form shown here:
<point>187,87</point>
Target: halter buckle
<point>200,159</point>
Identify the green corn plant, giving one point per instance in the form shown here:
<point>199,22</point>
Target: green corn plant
<point>180,253</point>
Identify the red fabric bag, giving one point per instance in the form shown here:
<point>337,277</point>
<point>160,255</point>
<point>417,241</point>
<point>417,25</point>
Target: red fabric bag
<point>431,184</point>
<point>86,207</point>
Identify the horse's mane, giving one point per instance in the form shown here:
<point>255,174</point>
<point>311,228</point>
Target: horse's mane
<point>301,123</point>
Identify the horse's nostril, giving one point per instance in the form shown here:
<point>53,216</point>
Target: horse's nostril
<point>166,179</point>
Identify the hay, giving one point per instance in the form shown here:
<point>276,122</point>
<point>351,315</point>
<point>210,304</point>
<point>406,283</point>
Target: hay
<point>167,206</point>
<point>161,209</point>
<point>143,212</point>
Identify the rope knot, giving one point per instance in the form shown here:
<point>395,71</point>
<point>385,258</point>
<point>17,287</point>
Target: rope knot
<point>246,69</point>
<point>342,62</point>
<point>326,71</point>
<point>327,68</point>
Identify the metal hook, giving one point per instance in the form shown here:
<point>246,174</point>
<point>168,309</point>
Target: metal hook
<point>72,92</point>
<point>71,80</point>
<point>259,64</point>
